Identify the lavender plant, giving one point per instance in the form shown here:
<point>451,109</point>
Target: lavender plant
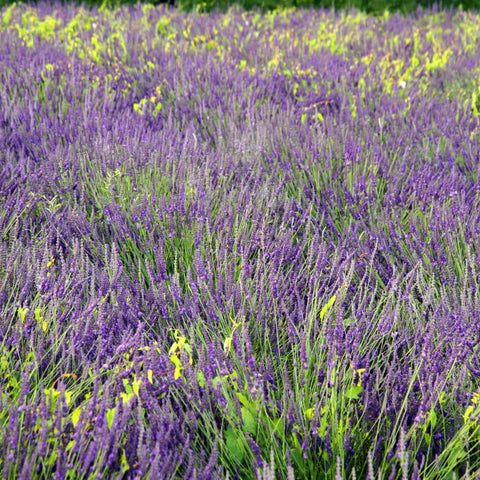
<point>238,245</point>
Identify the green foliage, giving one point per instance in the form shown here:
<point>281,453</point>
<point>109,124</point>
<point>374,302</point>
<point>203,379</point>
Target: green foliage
<point>369,6</point>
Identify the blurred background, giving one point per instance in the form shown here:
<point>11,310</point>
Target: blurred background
<point>368,6</point>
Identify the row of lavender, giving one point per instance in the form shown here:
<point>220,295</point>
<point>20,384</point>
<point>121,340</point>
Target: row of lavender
<point>238,245</point>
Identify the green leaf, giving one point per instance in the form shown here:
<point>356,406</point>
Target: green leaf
<point>353,393</point>
<point>249,421</point>
<point>201,378</point>
<point>22,312</point>
<point>227,344</point>
<point>126,397</point>
<point>466,415</point>
<point>297,457</point>
<point>178,372</point>
<point>277,425</point>
<point>175,360</point>
<point>323,427</point>
<point>295,440</point>
<point>136,387</point>
<point>234,444</point>
<point>433,418</point>
<point>124,463</point>
<point>244,400</point>
<point>327,307</point>
<point>127,386</point>
<point>53,458</point>
<point>76,416</point>
<point>110,416</point>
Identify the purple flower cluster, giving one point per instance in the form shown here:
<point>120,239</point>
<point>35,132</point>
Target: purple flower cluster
<point>238,245</point>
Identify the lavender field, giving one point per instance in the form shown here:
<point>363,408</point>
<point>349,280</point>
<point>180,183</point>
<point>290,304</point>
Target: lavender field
<point>239,245</point>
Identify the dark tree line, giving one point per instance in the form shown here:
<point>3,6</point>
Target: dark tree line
<point>369,6</point>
